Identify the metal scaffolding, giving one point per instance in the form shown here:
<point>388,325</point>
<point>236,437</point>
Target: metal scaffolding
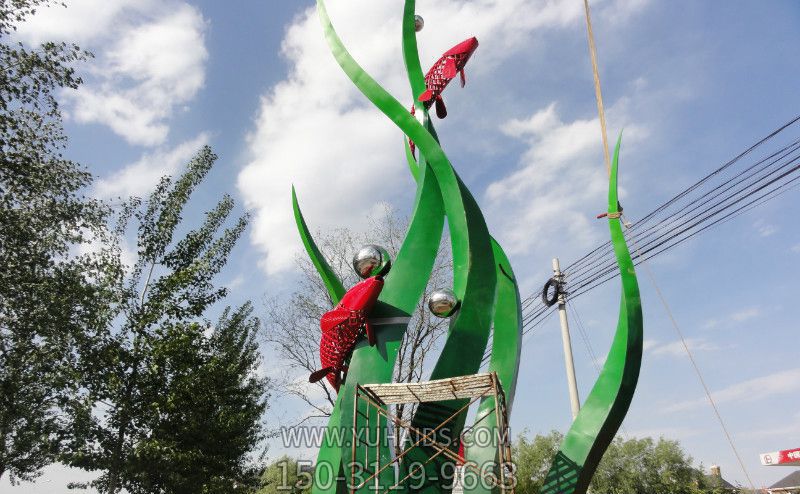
<point>471,388</point>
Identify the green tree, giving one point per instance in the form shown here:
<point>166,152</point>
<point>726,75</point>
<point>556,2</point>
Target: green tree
<point>208,415</point>
<point>50,285</point>
<point>645,465</point>
<point>632,466</point>
<point>532,459</point>
<point>170,402</point>
<point>285,476</point>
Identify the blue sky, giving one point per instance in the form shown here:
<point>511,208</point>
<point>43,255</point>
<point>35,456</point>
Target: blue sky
<point>692,83</point>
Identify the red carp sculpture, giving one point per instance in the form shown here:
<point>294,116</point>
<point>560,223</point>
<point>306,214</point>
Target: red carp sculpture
<point>444,71</point>
<point>343,326</point>
<point>440,75</point>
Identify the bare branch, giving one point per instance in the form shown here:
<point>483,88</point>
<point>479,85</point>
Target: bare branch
<point>292,327</point>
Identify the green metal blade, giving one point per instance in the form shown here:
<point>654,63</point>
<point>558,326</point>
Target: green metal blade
<point>332,282</point>
<point>474,266</point>
<point>605,407</point>
<point>486,435</point>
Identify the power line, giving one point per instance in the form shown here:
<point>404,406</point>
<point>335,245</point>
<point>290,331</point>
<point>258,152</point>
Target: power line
<point>788,154</point>
<point>674,200</point>
<point>766,179</point>
<point>585,337</point>
<point>684,216</point>
<point>647,253</point>
<point>700,377</point>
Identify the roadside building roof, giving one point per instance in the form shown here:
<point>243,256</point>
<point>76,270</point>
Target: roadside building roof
<point>791,481</point>
<point>720,483</point>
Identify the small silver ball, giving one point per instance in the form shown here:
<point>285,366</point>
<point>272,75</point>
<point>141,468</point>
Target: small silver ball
<point>419,23</point>
<point>371,260</point>
<point>443,302</point>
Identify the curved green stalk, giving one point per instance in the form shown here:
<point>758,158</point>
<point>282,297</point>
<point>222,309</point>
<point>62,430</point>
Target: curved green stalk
<point>402,290</point>
<point>407,280</point>
<point>507,330</point>
<point>404,286</point>
<point>468,230</point>
<point>332,282</point>
<point>416,78</point>
<point>474,274</point>
<point>453,361</point>
<point>507,317</point>
<point>505,357</point>
<point>605,407</point>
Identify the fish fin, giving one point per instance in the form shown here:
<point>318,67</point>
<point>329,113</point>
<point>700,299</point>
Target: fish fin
<point>337,381</point>
<point>449,68</point>
<point>318,375</point>
<point>370,333</point>
<point>441,110</point>
<point>463,78</point>
<point>426,96</point>
<point>333,318</point>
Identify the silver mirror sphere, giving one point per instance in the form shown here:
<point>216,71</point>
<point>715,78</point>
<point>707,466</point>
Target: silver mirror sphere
<point>443,302</point>
<point>419,23</point>
<point>371,260</point>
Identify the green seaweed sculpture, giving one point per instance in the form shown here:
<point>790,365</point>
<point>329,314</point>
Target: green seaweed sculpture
<point>605,407</point>
<point>490,305</point>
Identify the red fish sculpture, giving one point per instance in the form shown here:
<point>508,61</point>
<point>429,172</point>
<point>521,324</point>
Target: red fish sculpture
<point>444,71</point>
<point>342,327</point>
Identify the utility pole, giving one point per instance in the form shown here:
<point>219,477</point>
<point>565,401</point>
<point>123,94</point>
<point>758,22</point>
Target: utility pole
<point>572,383</point>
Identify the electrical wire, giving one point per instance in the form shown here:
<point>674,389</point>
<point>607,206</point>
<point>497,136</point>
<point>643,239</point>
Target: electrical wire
<point>766,186</point>
<point>683,217</point>
<point>789,152</point>
<point>700,377</point>
<point>647,253</point>
<point>674,200</point>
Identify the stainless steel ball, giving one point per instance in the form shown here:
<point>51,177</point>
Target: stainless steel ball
<point>419,23</point>
<point>443,302</point>
<point>371,260</point>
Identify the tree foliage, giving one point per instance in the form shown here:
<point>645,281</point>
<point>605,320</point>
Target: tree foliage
<point>170,402</point>
<point>645,465</point>
<point>532,459</point>
<point>629,466</point>
<point>108,367</point>
<point>285,475</point>
<point>50,284</point>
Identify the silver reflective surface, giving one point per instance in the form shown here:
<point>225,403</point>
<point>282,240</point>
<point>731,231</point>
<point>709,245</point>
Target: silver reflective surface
<point>443,302</point>
<point>419,23</point>
<point>371,260</point>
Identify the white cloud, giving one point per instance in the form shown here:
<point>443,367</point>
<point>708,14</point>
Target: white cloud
<point>235,283</point>
<point>561,157</point>
<point>746,314</point>
<point>796,248</point>
<point>787,427</point>
<point>676,348</point>
<point>314,130</point>
<point>647,345</point>
<point>139,177</point>
<point>734,318</point>
<point>150,60</point>
<point>82,21</point>
<point>778,383</point>
<point>765,229</point>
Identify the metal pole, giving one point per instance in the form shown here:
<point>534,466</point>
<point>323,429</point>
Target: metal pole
<point>572,383</point>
